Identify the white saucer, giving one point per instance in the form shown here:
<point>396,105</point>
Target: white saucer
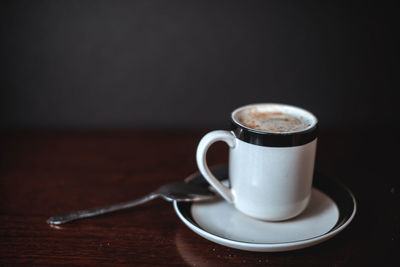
<point>331,209</point>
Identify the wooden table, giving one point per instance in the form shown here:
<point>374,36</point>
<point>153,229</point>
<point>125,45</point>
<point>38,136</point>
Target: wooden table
<point>46,172</point>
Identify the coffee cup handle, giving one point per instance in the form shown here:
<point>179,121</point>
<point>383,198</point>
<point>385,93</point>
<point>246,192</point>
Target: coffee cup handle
<point>202,148</point>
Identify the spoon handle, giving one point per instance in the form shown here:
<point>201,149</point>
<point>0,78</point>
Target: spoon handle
<point>81,214</point>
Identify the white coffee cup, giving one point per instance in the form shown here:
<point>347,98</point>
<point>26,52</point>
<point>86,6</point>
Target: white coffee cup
<point>270,172</point>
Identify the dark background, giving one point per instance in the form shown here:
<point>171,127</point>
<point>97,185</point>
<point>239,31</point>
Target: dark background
<point>189,63</point>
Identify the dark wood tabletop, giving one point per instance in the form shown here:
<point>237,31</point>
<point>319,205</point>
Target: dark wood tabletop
<point>47,172</point>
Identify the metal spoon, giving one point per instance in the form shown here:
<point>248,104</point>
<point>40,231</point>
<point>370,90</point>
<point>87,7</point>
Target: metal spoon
<point>178,191</point>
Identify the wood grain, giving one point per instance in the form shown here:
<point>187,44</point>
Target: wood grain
<point>46,172</point>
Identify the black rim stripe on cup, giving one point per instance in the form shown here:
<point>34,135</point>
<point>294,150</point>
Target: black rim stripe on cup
<point>274,139</point>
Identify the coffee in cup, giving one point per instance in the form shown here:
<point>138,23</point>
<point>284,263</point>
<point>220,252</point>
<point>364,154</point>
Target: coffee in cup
<point>263,119</point>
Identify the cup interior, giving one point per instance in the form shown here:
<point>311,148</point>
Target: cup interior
<point>307,119</point>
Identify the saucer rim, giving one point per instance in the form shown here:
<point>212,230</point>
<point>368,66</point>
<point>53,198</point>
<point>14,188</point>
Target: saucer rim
<point>273,247</point>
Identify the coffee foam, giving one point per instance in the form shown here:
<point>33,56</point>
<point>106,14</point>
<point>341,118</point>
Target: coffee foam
<point>274,118</point>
